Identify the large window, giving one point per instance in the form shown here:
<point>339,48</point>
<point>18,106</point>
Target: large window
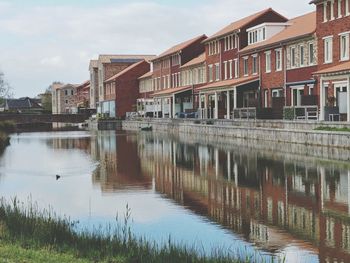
<point>255,64</point>
<point>292,57</point>
<point>344,46</point>
<point>256,35</point>
<point>328,50</point>
<point>278,59</point>
<point>325,18</point>
<point>268,61</point>
<point>217,71</point>
<point>311,54</point>
<point>245,66</point>
<point>210,73</point>
<point>301,55</point>
<point>229,42</point>
<point>213,47</point>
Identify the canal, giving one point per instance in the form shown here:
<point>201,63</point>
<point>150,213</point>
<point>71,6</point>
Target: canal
<point>269,201</point>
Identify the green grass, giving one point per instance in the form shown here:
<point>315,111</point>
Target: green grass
<point>27,232</point>
<point>335,129</point>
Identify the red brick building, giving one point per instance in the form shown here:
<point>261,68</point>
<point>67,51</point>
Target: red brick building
<point>284,61</point>
<point>166,75</point>
<point>333,25</point>
<point>122,90</point>
<point>83,95</point>
<point>228,87</point>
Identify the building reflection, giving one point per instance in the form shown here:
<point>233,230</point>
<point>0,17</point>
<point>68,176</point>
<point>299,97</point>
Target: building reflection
<point>270,201</point>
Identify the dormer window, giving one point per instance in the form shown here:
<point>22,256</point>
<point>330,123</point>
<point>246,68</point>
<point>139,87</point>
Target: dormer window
<point>257,35</point>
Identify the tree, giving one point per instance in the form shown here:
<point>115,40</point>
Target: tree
<point>46,97</point>
<point>5,88</point>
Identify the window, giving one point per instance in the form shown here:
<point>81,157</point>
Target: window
<point>344,46</point>
<point>266,97</point>
<point>210,73</point>
<point>292,57</point>
<point>230,68</point>
<point>225,69</point>
<point>328,50</point>
<point>213,48</point>
<point>325,4</point>
<point>217,71</point>
<point>311,54</point>
<point>66,92</point>
<point>339,9</point>
<point>245,66</point>
<point>347,7</point>
<point>332,9</point>
<point>66,101</point>
<point>255,64</point>
<point>301,56</point>
<point>256,35</point>
<point>229,42</point>
<point>278,54</point>
<point>268,61</point>
<point>236,68</point>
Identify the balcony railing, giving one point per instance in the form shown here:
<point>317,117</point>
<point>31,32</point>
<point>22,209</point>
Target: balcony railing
<point>244,113</point>
<point>301,113</point>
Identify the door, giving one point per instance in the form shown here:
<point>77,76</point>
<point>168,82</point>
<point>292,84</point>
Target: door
<point>340,93</point>
<point>297,93</point>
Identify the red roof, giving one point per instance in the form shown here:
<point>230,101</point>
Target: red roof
<point>147,75</point>
<point>335,69</point>
<point>124,71</point>
<point>171,91</point>
<point>230,82</point>
<point>198,60</point>
<point>241,23</point>
<point>180,46</point>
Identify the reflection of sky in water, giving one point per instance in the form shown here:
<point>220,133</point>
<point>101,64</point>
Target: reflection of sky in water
<point>28,168</point>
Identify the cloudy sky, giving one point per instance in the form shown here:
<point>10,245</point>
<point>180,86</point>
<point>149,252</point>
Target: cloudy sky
<point>42,41</point>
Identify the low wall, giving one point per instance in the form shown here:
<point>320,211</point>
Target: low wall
<point>252,131</point>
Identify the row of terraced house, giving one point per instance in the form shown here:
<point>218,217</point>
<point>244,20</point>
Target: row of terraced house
<point>262,66</point>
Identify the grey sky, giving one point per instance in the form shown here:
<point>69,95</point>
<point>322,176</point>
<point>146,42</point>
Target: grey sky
<point>45,40</point>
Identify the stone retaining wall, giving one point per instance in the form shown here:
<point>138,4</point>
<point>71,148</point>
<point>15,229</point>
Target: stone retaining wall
<point>251,131</point>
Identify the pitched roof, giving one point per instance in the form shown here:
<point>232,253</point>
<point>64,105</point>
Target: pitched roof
<point>198,60</point>
<point>300,26</point>
<point>230,82</point>
<point>343,67</point>
<point>114,77</point>
<point>316,1</point>
<point>147,75</point>
<point>22,103</point>
<point>108,58</point>
<point>93,63</point>
<point>171,91</point>
<point>180,46</point>
<point>240,23</point>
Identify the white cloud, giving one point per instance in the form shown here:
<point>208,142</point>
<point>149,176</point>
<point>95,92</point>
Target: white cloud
<point>56,42</point>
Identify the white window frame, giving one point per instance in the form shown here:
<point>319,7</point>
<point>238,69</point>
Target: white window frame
<point>230,68</point>
<point>347,11</point>
<point>268,61</point>
<point>332,9</point>
<point>225,70</point>
<point>278,54</point>
<point>328,58</point>
<point>255,64</point>
<point>325,18</point>
<point>293,61</point>
<point>311,54</point>
<point>339,9</point>
<point>345,56</point>
<point>245,66</point>
<point>301,55</point>
<point>236,68</point>
<point>210,73</point>
<point>217,71</point>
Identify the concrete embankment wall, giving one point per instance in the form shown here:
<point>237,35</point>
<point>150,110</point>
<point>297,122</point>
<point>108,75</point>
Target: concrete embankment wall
<point>292,132</point>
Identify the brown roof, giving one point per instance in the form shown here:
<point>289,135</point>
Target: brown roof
<point>171,91</point>
<point>147,75</point>
<point>230,82</point>
<point>114,77</point>
<point>239,24</point>
<point>180,46</point>
<point>107,58</point>
<point>300,26</point>
<point>198,60</point>
<point>335,69</point>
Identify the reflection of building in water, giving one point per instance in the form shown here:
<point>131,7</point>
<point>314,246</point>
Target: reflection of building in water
<point>71,143</point>
<point>269,200</point>
<point>119,163</point>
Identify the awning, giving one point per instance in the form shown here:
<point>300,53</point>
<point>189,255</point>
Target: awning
<point>338,69</point>
<point>298,83</point>
<point>172,91</point>
<point>228,83</point>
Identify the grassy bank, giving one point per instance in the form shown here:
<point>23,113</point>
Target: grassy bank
<point>332,129</point>
<point>26,231</point>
